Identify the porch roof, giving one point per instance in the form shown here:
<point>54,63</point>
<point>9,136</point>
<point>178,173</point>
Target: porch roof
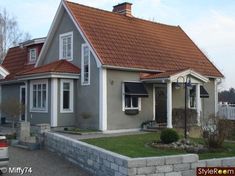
<point>172,75</point>
<point>59,68</point>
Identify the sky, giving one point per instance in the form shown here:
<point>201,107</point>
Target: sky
<point>209,23</point>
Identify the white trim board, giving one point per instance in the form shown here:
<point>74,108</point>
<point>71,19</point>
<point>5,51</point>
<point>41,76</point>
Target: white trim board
<point>54,102</point>
<point>3,71</point>
<point>103,99</point>
<point>50,75</point>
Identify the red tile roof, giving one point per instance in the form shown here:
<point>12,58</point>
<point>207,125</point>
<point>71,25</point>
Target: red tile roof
<point>59,66</point>
<point>131,42</point>
<point>15,61</point>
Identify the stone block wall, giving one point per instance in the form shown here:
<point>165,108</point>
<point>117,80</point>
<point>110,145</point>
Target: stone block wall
<point>102,162</point>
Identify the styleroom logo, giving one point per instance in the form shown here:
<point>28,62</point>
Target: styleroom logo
<point>216,171</point>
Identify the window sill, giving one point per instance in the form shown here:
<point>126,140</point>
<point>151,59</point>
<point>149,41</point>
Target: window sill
<point>70,59</point>
<point>66,111</point>
<point>39,110</point>
<point>131,111</point>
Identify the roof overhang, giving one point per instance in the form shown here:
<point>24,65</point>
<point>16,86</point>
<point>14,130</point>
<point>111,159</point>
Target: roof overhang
<point>182,74</point>
<point>3,72</point>
<point>34,41</point>
<point>191,73</point>
<point>48,75</point>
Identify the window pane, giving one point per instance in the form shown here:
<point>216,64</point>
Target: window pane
<point>66,86</point>
<point>135,102</point>
<point>44,99</point>
<point>34,87</point>
<point>39,99</point>
<point>127,101</point>
<point>66,100</point>
<point>44,86</point>
<point>34,99</point>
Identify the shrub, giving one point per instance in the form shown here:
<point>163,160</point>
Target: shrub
<point>168,136</point>
<point>215,131</point>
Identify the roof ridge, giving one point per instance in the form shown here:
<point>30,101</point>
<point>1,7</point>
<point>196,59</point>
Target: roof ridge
<point>118,14</point>
<point>58,63</point>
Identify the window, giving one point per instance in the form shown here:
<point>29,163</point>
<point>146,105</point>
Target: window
<point>32,55</point>
<point>66,46</point>
<point>66,96</point>
<point>85,65</point>
<point>131,101</point>
<point>192,97</point>
<point>39,93</point>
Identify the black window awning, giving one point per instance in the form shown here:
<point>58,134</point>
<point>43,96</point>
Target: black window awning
<point>203,92</point>
<point>135,89</point>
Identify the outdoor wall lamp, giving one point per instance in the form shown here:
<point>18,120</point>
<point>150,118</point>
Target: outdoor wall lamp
<point>187,84</point>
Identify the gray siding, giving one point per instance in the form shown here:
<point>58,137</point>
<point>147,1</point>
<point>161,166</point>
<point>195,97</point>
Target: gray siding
<point>86,97</point>
<point>117,119</point>
<point>88,100</point>
<point>208,104</point>
<point>66,25</point>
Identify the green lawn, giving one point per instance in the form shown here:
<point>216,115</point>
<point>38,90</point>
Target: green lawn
<point>137,146</point>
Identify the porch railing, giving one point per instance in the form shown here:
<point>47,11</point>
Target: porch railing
<point>227,111</point>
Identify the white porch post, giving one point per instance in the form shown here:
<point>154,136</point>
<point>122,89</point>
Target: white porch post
<point>169,105</point>
<point>198,104</point>
<point>54,102</point>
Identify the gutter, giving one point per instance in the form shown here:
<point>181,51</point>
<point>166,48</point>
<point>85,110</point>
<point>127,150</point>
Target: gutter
<point>130,69</point>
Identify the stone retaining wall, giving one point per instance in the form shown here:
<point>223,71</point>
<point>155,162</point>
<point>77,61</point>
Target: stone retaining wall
<point>102,162</point>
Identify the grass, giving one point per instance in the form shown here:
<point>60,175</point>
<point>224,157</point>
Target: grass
<point>137,146</point>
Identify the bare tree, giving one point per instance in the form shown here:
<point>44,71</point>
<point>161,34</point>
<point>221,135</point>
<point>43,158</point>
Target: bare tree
<point>12,108</point>
<point>10,34</point>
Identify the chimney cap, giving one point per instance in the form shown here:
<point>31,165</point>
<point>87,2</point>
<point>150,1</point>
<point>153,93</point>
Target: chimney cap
<point>123,8</point>
<point>127,3</point>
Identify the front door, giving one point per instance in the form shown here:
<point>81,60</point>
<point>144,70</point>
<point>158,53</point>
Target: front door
<point>161,104</point>
<point>22,101</point>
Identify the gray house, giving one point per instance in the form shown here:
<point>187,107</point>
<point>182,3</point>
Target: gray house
<point>112,71</point>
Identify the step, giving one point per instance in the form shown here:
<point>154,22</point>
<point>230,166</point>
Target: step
<point>22,146</point>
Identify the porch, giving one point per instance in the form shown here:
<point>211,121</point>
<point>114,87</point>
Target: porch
<point>169,94</point>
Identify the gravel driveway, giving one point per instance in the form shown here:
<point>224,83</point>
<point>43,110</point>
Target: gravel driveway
<point>43,163</point>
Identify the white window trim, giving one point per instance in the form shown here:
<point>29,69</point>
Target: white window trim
<point>71,95</point>
<point>30,58</point>
<point>40,110</point>
<point>123,101</point>
<point>61,45</point>
<point>82,66</point>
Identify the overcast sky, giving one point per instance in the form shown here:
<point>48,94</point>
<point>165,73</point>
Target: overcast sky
<point>210,23</point>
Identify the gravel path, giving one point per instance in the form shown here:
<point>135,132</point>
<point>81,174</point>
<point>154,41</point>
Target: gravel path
<point>43,163</point>
<point>100,135</point>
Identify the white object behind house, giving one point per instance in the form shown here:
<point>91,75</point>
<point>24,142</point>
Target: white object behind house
<point>227,111</point>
